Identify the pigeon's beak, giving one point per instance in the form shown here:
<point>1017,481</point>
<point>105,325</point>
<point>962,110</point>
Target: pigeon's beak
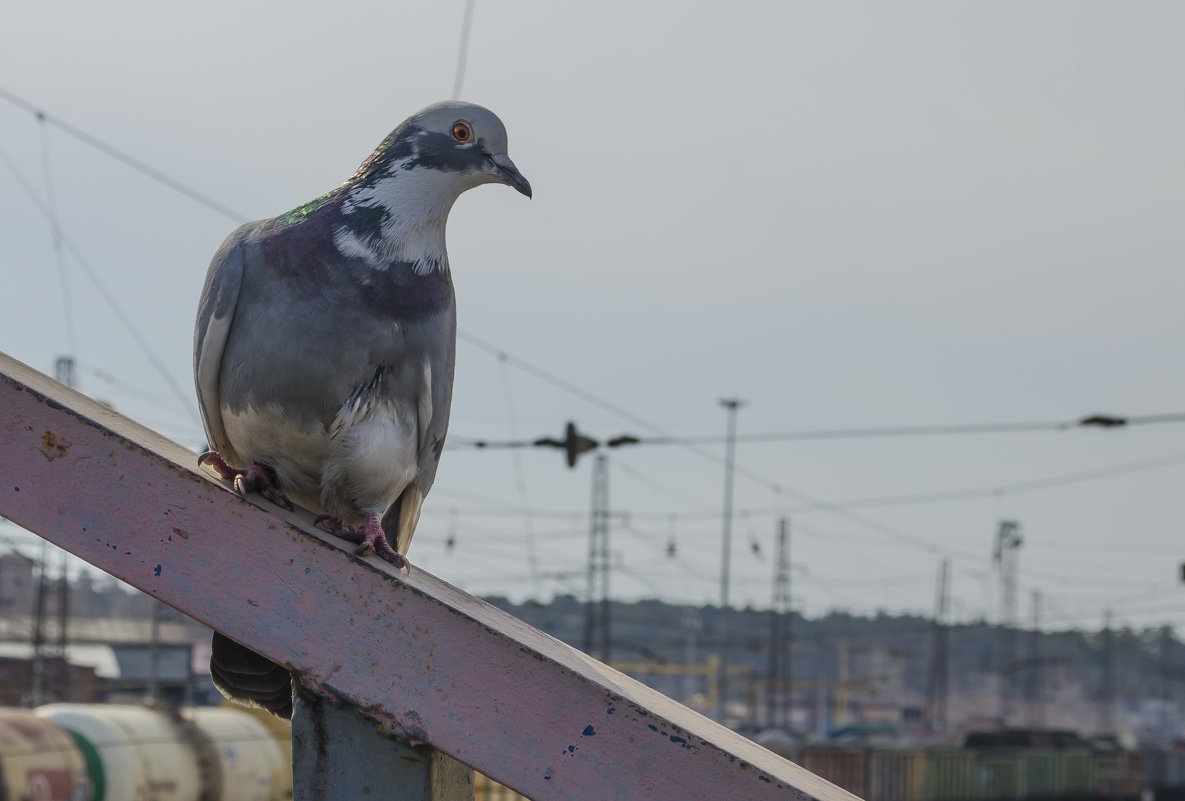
<point>508,173</point>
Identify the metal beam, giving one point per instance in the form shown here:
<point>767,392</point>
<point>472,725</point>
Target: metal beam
<point>417,656</point>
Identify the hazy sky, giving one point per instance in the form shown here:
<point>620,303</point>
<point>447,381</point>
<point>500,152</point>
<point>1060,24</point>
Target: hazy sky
<point>848,214</point>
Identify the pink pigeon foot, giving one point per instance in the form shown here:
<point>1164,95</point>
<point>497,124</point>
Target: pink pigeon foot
<point>370,537</point>
<point>255,478</point>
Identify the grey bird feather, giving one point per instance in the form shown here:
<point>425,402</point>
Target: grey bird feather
<point>325,343</point>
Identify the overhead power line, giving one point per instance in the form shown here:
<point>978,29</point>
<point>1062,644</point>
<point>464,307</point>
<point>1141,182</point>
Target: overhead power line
<point>108,296</point>
<point>770,484</point>
<point>463,49</point>
<point>56,232</point>
<point>1092,421</point>
<point>1006,489</point>
<point>121,156</point>
<point>559,383</point>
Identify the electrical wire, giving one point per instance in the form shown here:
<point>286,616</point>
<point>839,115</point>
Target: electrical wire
<point>752,475</point>
<point>108,296</point>
<point>921,431</point>
<point>1016,488</point>
<point>56,232</point>
<point>495,509</point>
<point>463,49</point>
<point>520,478</point>
<point>642,478</point>
<point>871,433</point>
<point>123,157</point>
<point>557,382</point>
<point>810,502</point>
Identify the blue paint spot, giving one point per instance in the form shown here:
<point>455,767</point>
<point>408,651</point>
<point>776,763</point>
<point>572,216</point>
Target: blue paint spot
<point>547,778</point>
<point>127,553</point>
<point>589,731</point>
<point>571,749</point>
<point>170,538</point>
<point>679,740</point>
<point>156,570</point>
<point>611,710</point>
<point>652,727</point>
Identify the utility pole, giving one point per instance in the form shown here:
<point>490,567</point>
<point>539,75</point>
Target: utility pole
<point>153,689</point>
<point>63,369</point>
<point>939,679</point>
<point>1166,638</point>
<point>1036,691</point>
<point>62,669</point>
<point>779,695</point>
<point>732,405</point>
<point>596,609</point>
<point>1008,542</point>
<point>1107,710</point>
<point>38,633</point>
<point>693,624</point>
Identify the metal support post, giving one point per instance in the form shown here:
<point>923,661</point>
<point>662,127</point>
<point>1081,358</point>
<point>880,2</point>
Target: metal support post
<point>338,755</point>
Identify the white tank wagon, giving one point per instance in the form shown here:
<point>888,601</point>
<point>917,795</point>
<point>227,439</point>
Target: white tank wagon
<point>133,753</point>
<point>248,760</point>
<point>147,753</point>
<point>39,760</point>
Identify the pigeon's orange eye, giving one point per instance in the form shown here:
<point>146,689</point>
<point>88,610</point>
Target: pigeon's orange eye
<point>462,132</point>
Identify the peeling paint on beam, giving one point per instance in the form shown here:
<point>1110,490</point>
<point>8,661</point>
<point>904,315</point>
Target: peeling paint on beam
<point>415,654</point>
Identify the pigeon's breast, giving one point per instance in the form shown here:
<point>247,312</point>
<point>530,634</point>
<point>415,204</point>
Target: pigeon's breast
<point>295,451</point>
<point>372,459</point>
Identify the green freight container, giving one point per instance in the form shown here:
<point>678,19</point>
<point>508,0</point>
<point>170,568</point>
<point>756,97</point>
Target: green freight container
<point>896,775</point>
<point>998,775</point>
<point>1073,771</point>
<point>1038,773</point>
<point>949,775</point>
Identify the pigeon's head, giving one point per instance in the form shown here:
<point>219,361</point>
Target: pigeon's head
<point>463,142</point>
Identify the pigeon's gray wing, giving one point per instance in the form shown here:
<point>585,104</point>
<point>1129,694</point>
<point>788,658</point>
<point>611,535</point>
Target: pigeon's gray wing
<point>216,313</point>
<point>433,395</point>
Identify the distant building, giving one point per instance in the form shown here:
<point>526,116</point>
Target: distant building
<point>17,584</point>
<point>118,658</point>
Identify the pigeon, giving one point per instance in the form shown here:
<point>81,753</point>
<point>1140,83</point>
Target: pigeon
<point>324,350</point>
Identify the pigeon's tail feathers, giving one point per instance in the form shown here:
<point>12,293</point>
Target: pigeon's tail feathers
<point>399,523</point>
<point>245,677</point>
<point>410,502</point>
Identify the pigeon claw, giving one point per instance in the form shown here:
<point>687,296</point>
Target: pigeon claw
<point>389,554</point>
<point>216,462</point>
<point>370,538</point>
<point>255,478</point>
<point>332,525</point>
<point>258,478</point>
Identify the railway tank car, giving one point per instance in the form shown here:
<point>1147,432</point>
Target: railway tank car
<point>128,752</point>
<point>39,760</point>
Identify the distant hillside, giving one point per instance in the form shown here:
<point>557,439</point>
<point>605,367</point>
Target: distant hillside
<point>1055,678</point>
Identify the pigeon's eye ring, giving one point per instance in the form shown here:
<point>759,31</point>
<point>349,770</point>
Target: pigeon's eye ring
<point>462,132</point>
